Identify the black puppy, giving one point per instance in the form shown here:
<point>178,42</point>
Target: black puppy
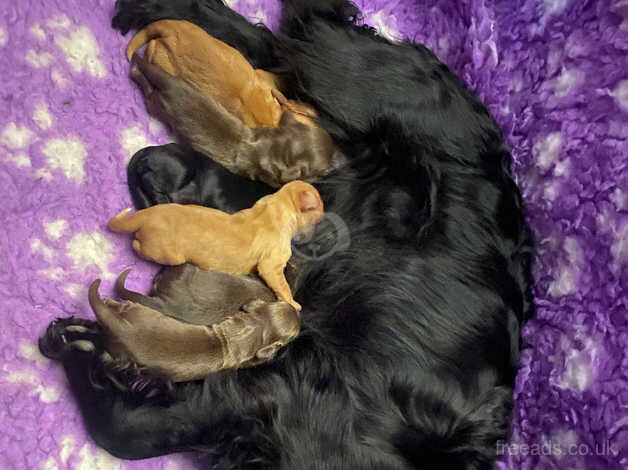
<point>410,336</point>
<point>173,174</point>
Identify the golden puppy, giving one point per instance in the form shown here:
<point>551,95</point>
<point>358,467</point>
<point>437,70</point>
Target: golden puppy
<point>184,50</point>
<point>255,239</point>
<point>183,351</point>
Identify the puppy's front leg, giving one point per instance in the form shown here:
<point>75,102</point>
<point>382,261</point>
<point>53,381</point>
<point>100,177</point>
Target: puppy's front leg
<point>271,270</point>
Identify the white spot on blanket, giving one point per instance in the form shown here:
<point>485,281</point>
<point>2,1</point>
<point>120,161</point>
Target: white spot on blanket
<point>546,150</point>
<point>578,374</point>
<point>76,291</point>
<point>155,126</point>
<point>91,249</point>
<point>385,24</point>
<point>562,168</point>
<point>566,279</point>
<point>55,228</point>
<point>81,52</point>
<point>46,394</point>
<point>67,447</point>
<point>59,79</point>
<point>620,93</point>
<point>42,116</point>
<point>97,459</point>
<point>4,37</point>
<point>54,274</point>
<point>133,139</point>
<point>620,199</point>
<point>16,137</point>
<point>564,283</point>
<point>68,155</point>
<point>38,32</point>
<point>575,254</point>
<point>20,159</point>
<point>39,59</point>
<point>59,22</point>
<point>49,464</point>
<point>550,191</point>
<point>21,378</point>
<point>30,352</point>
<point>565,82</point>
<point>43,174</point>
<point>37,246</point>
<point>552,7</point>
<point>619,249</point>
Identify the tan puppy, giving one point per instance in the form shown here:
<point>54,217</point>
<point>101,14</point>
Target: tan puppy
<point>221,72</point>
<point>255,239</point>
<point>183,351</point>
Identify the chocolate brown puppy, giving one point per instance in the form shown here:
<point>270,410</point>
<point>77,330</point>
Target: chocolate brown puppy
<point>196,296</point>
<point>193,295</point>
<point>182,351</point>
<point>273,155</point>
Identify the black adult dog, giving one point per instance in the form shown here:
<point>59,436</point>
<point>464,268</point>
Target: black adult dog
<point>410,336</point>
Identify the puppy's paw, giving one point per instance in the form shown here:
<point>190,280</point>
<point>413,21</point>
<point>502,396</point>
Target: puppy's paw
<point>65,334</point>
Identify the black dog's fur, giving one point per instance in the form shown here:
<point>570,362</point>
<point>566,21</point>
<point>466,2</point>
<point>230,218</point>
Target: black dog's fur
<point>173,174</point>
<point>410,337</point>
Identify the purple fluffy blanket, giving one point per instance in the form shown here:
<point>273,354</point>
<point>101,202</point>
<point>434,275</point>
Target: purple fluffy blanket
<point>553,72</point>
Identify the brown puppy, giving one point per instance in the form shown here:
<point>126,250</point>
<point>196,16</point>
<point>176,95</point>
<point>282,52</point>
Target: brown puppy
<point>258,238</point>
<point>184,50</point>
<point>190,294</point>
<point>183,351</point>
<point>273,155</point>
<point>193,295</point>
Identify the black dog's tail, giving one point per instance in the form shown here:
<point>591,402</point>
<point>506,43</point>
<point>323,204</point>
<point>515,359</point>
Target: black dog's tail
<point>436,435</point>
<point>297,13</point>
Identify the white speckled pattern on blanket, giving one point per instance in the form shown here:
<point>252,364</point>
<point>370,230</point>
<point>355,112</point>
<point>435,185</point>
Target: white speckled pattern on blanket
<point>553,72</point>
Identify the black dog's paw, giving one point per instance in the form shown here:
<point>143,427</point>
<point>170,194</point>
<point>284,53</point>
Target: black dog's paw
<point>138,383</point>
<point>64,334</point>
<point>134,14</point>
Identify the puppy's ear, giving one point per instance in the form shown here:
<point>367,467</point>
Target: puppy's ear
<point>268,352</point>
<point>308,201</point>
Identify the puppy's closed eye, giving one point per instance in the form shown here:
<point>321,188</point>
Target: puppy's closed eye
<point>308,201</point>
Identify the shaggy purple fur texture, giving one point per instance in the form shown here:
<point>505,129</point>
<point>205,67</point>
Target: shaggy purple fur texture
<point>553,72</point>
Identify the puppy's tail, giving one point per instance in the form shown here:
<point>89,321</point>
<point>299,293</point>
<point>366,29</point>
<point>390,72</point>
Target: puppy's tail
<point>436,435</point>
<point>103,313</point>
<point>125,293</point>
<point>156,30</point>
<point>125,222</point>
